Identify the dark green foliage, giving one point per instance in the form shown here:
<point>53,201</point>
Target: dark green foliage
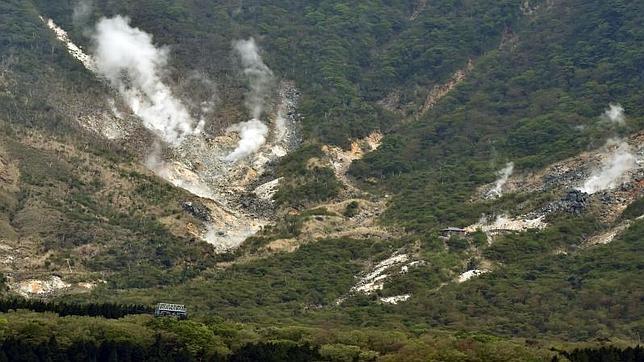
<point>479,239</point>
<point>58,204</point>
<point>105,310</point>
<point>457,244</point>
<point>533,103</point>
<point>319,184</point>
<point>305,179</point>
<point>533,100</point>
<point>565,232</point>
<point>605,354</point>
<point>104,351</point>
<point>602,282</point>
<point>296,164</point>
<point>28,337</point>
<point>634,210</point>
<point>327,47</point>
<point>288,285</point>
<point>275,352</point>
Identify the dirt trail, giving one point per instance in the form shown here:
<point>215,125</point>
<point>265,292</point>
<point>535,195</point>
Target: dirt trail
<point>607,236</point>
<point>362,223</point>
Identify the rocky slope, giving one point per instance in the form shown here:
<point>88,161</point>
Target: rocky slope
<point>237,195</point>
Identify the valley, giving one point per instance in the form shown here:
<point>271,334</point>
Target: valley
<point>383,181</point>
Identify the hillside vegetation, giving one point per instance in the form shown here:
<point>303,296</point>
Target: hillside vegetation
<point>458,88</point>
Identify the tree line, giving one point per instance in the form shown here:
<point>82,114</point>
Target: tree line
<point>604,354</point>
<point>163,349</point>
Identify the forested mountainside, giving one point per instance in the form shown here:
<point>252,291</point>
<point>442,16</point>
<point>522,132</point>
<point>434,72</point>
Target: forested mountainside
<point>322,180</point>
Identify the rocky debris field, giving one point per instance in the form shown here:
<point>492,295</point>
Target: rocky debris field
<point>50,286</point>
<point>504,223</point>
<point>238,194</point>
<point>569,179</point>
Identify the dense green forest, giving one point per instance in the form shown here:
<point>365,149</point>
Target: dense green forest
<point>537,77</point>
<point>578,297</point>
<point>522,103</point>
<point>29,336</point>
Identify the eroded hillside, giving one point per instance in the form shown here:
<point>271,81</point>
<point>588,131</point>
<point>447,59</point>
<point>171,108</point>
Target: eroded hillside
<point>411,165</point>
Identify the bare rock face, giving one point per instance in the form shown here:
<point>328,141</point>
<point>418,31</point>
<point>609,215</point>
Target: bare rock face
<point>36,287</point>
<point>575,201</point>
<point>255,206</point>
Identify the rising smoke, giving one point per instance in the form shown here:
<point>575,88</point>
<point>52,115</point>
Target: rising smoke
<point>260,77</point>
<point>253,133</point>
<point>112,103</point>
<point>503,176</point>
<point>620,161</point>
<point>615,114</point>
<point>128,59</point>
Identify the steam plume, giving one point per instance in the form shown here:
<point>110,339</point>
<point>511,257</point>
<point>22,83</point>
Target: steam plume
<point>259,76</point>
<point>615,114</point>
<point>503,175</point>
<point>128,59</point>
<point>253,133</point>
<point>612,172</point>
<point>113,108</point>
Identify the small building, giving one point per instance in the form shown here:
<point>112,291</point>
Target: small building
<point>171,310</point>
<point>447,232</point>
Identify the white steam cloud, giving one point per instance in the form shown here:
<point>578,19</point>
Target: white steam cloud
<point>253,133</point>
<point>615,114</point>
<point>612,172</point>
<point>259,76</point>
<point>113,108</point>
<point>503,176</point>
<point>128,59</point>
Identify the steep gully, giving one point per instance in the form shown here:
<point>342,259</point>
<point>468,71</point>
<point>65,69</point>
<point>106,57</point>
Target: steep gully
<point>237,194</point>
